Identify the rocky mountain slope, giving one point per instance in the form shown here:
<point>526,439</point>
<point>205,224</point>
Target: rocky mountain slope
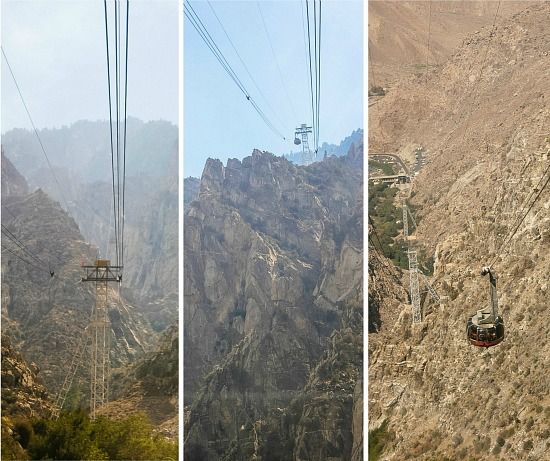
<point>47,315</point>
<point>80,155</point>
<point>398,33</point>
<point>330,407</point>
<point>23,394</point>
<point>483,117</point>
<point>150,385</point>
<point>273,263</point>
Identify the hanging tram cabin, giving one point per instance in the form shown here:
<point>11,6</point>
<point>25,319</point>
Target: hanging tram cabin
<point>486,327</point>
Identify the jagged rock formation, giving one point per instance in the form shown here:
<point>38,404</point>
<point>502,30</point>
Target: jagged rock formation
<point>271,259</point>
<point>487,135</point>
<point>23,396</point>
<point>47,316</point>
<point>152,241</point>
<point>150,385</point>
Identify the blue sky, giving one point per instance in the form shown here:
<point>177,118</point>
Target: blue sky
<point>219,122</point>
<point>57,51</point>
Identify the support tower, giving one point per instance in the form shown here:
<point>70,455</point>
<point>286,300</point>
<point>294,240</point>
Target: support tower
<point>413,269</point>
<point>100,331</point>
<point>300,137</point>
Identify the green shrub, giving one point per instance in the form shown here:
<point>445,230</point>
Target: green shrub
<point>377,441</point>
<point>23,432</point>
<point>75,436</point>
<point>527,445</point>
<point>385,167</point>
<point>11,449</point>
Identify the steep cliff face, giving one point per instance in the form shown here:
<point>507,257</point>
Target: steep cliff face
<point>152,241</point>
<point>487,134</point>
<point>387,295</point>
<point>191,188</point>
<point>270,258</point>
<point>47,315</point>
<point>330,407</point>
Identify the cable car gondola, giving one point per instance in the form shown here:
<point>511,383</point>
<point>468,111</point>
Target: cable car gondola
<point>486,327</point>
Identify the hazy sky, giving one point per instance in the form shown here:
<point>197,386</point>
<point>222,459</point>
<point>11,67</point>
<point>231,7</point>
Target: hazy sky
<point>57,52</point>
<point>220,123</point>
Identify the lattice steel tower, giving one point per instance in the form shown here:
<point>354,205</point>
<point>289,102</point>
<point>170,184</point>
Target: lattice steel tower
<point>100,331</point>
<point>413,269</point>
<point>302,131</point>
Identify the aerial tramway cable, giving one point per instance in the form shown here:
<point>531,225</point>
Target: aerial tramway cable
<point>316,60</point>
<point>117,109</point>
<point>20,244</point>
<point>315,68</point>
<point>244,64</point>
<point>276,60</point>
<point>310,70</point>
<point>319,80</point>
<point>9,250</point>
<point>529,207</point>
<point>125,126</point>
<point>62,196</point>
<point>201,29</point>
<point>111,127</point>
<point>118,126</point>
<point>304,33</point>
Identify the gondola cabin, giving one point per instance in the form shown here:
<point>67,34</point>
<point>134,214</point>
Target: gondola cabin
<point>483,331</point>
<point>486,327</point>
